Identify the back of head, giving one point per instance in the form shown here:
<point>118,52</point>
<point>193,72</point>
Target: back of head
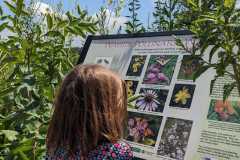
<point>90,108</point>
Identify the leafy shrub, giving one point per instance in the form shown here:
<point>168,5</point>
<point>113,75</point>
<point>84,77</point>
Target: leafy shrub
<point>33,61</point>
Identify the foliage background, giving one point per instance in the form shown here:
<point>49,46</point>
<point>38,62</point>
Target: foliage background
<point>34,60</point>
<point>38,53</point>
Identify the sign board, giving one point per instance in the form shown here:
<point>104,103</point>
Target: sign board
<point>177,118</point>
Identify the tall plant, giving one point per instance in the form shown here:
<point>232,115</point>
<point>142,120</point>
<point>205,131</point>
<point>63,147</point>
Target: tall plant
<point>165,15</point>
<point>108,15</point>
<point>33,61</point>
<point>134,25</point>
<point>216,24</point>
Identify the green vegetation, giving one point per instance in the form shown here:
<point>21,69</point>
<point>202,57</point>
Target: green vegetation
<point>38,53</point>
<point>33,61</point>
<point>216,24</point>
<point>134,25</point>
<point>165,15</point>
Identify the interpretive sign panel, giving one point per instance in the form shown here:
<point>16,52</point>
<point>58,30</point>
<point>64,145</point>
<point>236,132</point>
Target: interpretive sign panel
<point>177,118</point>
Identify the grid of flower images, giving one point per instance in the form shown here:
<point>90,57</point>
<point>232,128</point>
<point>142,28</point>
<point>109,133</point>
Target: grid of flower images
<point>152,79</point>
<point>228,111</point>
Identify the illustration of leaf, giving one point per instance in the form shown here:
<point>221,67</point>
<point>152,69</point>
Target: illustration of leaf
<point>213,116</point>
<point>237,110</point>
<point>149,141</point>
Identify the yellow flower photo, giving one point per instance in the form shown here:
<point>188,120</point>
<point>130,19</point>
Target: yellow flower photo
<point>182,95</point>
<point>131,87</point>
<point>136,65</point>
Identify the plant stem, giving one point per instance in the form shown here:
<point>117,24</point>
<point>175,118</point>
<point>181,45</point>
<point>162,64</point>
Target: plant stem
<point>28,61</point>
<point>133,14</point>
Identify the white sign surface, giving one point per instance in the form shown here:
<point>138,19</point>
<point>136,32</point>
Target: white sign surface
<point>176,118</point>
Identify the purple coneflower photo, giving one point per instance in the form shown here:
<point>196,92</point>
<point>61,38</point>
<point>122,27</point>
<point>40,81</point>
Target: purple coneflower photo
<point>148,102</point>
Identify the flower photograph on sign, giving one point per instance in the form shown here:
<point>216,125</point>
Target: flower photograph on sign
<point>160,69</point>
<point>182,95</point>
<point>143,128</point>
<point>131,87</point>
<point>136,65</point>
<point>228,111</point>
<point>174,138</point>
<point>152,100</point>
<point>188,68</point>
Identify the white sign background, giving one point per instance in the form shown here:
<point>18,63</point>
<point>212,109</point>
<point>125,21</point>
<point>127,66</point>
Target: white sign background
<point>120,51</point>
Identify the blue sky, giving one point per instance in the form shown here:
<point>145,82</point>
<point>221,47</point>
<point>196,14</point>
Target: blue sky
<point>93,6</point>
<point>147,6</point>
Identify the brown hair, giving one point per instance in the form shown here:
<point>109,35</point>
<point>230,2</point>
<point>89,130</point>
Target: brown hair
<point>90,108</point>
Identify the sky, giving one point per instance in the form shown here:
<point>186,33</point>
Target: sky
<point>93,7</point>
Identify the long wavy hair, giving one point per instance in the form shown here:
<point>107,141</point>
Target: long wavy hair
<point>90,108</point>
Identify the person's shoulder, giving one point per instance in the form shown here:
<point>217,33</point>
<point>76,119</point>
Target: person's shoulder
<point>119,150</point>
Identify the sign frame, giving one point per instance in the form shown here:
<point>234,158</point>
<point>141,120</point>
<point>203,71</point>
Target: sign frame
<point>194,114</point>
<point>90,38</point>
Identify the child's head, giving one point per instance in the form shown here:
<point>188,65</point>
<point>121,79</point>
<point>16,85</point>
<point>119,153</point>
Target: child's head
<point>90,108</point>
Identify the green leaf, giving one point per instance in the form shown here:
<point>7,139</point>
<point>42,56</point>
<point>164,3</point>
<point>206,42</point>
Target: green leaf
<point>62,23</point>
<point>25,44</point>
<point>91,30</point>
<point>79,10</point>
<point>227,89</point>
<point>192,3</point>
<point>25,12</point>
<point>212,84</point>
<point>49,21</point>
<point>3,26</point>
<point>72,30</point>
<point>200,71</point>
<point>38,30</point>
<point>81,33</point>
<point>19,7</point>
<point>10,7</point>
<point>84,24</point>
<point>1,11</point>
<point>133,98</point>
<point>55,34</point>
<point>131,105</point>
<point>6,91</point>
<point>3,18</point>
<point>179,42</point>
<point>2,117</point>
<point>9,134</point>
<point>229,3</point>
<point>69,16</point>
<point>149,141</point>
<point>23,155</point>
<point>213,51</point>
<point>24,146</point>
